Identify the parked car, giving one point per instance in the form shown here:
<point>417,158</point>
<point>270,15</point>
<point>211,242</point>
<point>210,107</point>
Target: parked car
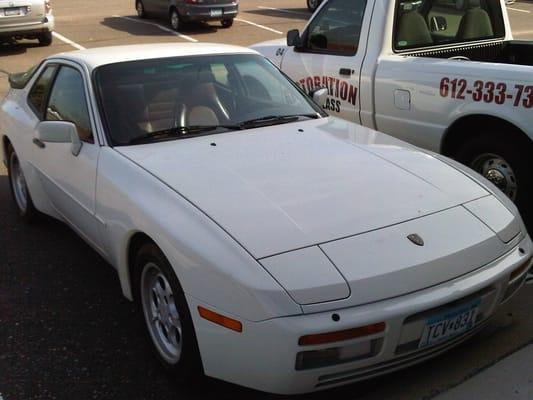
<point>181,12</point>
<point>443,75</point>
<point>268,244</point>
<point>312,5</point>
<point>29,19</point>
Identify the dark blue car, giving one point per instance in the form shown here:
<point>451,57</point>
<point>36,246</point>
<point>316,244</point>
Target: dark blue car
<point>183,11</point>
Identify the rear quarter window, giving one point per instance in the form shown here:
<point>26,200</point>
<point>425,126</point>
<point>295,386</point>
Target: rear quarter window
<point>428,23</point>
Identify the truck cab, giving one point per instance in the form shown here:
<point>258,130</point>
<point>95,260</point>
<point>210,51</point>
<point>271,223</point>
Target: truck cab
<point>445,75</point>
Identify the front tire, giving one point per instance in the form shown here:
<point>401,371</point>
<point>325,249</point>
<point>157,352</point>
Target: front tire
<point>227,23</point>
<point>19,188</point>
<point>141,11</point>
<point>175,19</point>
<point>45,39</point>
<point>166,315</point>
<point>506,161</point>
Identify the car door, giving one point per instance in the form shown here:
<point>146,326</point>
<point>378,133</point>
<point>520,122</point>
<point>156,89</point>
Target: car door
<point>69,181</point>
<point>331,54</point>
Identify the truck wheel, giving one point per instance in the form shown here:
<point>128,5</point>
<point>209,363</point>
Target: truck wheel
<point>45,39</point>
<point>312,5</point>
<point>507,163</point>
<point>19,188</point>
<point>141,11</point>
<point>227,23</point>
<point>175,19</point>
<point>166,314</point>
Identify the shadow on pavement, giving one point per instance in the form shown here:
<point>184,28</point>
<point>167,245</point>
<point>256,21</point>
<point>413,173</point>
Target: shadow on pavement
<point>301,14</point>
<point>15,48</point>
<point>150,27</point>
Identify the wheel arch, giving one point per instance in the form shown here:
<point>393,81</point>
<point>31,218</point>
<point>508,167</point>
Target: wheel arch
<point>134,244</point>
<point>5,143</point>
<point>476,125</point>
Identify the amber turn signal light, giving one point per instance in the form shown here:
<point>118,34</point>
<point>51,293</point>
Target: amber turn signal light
<point>338,336</point>
<point>221,320</point>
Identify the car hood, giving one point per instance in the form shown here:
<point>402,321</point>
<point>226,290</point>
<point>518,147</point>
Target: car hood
<point>286,187</point>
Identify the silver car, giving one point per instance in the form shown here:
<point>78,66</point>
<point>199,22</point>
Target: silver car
<point>26,19</point>
<point>180,12</point>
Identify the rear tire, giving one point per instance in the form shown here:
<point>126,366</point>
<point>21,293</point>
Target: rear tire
<point>45,39</point>
<point>505,161</point>
<point>227,23</point>
<point>141,11</point>
<point>19,189</point>
<point>175,19</point>
<point>312,5</point>
<point>166,315</point>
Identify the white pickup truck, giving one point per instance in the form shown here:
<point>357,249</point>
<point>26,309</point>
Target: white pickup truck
<point>445,75</point>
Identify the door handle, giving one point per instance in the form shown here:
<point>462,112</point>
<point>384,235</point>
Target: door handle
<point>346,71</point>
<point>39,143</point>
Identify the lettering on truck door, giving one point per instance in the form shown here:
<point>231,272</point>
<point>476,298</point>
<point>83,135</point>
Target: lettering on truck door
<point>330,56</point>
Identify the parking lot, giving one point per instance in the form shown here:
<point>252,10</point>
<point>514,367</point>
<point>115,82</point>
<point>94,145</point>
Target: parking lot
<point>66,332</point>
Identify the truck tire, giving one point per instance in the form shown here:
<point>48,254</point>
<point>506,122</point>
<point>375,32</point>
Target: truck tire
<point>45,39</point>
<point>506,162</point>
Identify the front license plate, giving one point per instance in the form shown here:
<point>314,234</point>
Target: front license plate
<point>11,11</point>
<point>216,13</point>
<point>450,323</point>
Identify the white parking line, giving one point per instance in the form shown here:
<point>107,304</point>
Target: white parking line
<point>163,28</point>
<point>259,26</point>
<point>68,41</point>
<point>283,10</point>
<point>519,10</point>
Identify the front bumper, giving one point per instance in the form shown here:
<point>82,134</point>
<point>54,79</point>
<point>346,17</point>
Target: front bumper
<point>264,355</point>
<point>193,12</point>
<point>27,29</point>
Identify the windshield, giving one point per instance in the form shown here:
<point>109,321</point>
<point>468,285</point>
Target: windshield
<point>170,98</point>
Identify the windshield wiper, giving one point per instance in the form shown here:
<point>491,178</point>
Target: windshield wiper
<point>275,119</point>
<point>181,132</point>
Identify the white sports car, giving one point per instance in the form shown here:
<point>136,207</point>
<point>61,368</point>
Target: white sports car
<point>267,244</point>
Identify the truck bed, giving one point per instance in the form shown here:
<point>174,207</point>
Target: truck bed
<point>517,52</point>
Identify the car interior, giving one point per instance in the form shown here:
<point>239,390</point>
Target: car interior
<point>423,23</point>
<point>202,94</point>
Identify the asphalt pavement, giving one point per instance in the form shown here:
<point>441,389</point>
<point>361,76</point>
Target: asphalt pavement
<point>66,332</point>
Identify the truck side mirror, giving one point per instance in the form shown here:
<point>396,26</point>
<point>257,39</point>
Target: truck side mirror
<point>59,132</point>
<point>438,24</point>
<point>319,96</point>
<point>293,38</point>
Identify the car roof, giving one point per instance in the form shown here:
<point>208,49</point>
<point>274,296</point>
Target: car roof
<point>96,57</point>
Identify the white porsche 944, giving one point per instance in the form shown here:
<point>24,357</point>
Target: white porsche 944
<point>267,244</point>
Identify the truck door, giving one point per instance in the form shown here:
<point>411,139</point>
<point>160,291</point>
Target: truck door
<point>330,55</point>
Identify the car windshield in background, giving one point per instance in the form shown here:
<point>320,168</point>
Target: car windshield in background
<point>424,23</point>
<point>179,97</point>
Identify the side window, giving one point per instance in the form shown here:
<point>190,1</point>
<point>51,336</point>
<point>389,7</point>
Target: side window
<point>337,28</point>
<point>39,91</point>
<point>441,22</point>
<point>67,102</point>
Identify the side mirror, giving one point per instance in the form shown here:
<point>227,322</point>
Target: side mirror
<point>59,132</point>
<point>438,24</point>
<point>319,96</point>
<point>293,38</point>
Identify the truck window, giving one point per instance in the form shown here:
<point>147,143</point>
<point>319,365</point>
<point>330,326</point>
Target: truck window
<point>336,29</point>
<point>425,23</point>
